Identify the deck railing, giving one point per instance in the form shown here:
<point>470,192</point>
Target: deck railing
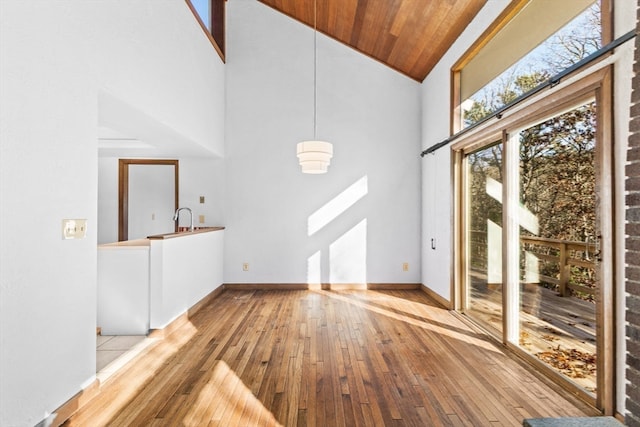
<point>571,263</point>
<point>568,254</point>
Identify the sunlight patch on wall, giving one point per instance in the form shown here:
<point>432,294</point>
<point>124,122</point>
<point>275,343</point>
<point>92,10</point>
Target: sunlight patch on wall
<point>314,268</point>
<point>339,204</point>
<point>348,256</point>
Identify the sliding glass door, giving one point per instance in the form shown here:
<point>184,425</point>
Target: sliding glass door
<point>557,256</point>
<point>533,213</point>
<point>484,236</point>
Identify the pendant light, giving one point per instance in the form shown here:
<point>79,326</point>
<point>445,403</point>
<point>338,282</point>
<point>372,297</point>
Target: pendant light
<point>314,156</point>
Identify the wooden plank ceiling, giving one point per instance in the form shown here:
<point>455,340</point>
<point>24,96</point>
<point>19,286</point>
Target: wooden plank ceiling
<point>409,36</point>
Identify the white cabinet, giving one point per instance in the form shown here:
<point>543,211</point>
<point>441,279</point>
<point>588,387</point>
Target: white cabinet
<point>123,288</point>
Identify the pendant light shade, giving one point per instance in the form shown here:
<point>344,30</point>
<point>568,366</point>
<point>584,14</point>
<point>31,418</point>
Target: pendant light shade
<point>314,156</point>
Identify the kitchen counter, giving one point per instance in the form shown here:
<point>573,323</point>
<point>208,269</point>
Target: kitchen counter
<point>145,284</point>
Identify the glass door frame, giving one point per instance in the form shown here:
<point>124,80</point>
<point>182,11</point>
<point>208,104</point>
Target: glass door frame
<point>589,85</point>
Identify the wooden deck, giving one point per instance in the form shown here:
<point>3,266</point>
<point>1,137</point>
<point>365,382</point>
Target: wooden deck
<point>560,331</point>
<point>324,358</point>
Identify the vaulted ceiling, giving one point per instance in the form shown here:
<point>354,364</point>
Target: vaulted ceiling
<point>409,36</point>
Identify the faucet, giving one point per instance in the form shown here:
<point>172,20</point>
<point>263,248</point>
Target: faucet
<point>177,214</point>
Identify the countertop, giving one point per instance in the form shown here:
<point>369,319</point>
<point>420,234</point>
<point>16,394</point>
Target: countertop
<point>145,242</point>
<point>126,243</point>
<point>197,230</point>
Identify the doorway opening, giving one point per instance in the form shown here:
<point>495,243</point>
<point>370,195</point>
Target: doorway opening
<point>147,197</point>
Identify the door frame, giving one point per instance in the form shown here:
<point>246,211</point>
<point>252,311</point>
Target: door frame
<point>587,85</point>
<point>123,190</point>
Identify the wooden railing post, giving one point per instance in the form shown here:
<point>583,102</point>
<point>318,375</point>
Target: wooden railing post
<point>564,271</point>
<point>565,260</point>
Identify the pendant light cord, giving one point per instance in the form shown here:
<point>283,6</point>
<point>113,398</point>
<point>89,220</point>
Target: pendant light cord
<point>315,69</point>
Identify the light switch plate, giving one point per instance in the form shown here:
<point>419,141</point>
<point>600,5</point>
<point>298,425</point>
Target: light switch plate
<point>201,199</point>
<point>74,228</point>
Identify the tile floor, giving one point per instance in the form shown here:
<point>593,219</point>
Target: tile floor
<point>113,352</point>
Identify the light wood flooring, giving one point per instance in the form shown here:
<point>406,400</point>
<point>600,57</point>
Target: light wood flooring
<point>324,358</point>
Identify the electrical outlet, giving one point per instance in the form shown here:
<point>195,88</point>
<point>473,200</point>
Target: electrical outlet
<point>74,228</point>
<point>201,199</point>
<point>405,266</point>
<point>201,219</point>
<point>245,266</point>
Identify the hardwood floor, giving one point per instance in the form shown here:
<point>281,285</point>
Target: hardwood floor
<point>324,358</point>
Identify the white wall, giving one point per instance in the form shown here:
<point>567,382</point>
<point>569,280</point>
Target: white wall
<point>203,177</point>
<point>107,221</point>
<point>436,168</point>
<point>151,201</point>
<point>47,173</point>
<point>56,57</point>
<point>371,115</point>
<point>155,60</point>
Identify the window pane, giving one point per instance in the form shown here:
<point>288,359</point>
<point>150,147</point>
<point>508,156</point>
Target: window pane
<point>557,232</point>
<point>203,8</point>
<point>575,41</point>
<point>484,236</point>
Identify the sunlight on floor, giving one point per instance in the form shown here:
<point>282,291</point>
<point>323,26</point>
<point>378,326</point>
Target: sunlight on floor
<point>171,345</point>
<point>413,314</point>
<point>226,399</point>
